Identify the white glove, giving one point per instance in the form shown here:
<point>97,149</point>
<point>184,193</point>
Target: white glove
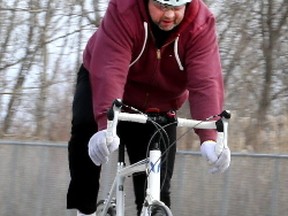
<point>99,149</point>
<point>217,154</point>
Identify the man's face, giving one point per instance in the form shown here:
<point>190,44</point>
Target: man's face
<point>166,17</point>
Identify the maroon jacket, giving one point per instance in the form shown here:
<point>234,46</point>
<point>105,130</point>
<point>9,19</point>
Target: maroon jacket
<point>124,62</point>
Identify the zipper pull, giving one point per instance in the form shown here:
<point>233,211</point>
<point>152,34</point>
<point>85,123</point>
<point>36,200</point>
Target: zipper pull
<point>158,53</point>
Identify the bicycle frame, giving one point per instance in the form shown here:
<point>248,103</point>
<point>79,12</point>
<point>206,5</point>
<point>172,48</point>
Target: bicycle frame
<point>150,165</point>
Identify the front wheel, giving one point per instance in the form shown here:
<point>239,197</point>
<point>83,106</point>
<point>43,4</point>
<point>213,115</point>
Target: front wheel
<point>159,209</point>
<point>111,208</point>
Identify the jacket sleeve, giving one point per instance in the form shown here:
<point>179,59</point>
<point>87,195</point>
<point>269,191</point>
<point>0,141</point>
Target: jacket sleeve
<point>107,57</point>
<point>205,81</point>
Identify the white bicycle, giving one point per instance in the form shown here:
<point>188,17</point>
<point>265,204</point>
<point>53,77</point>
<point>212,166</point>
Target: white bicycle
<point>114,203</point>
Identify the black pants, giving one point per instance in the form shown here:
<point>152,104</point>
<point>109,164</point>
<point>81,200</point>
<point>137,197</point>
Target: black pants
<point>84,185</point>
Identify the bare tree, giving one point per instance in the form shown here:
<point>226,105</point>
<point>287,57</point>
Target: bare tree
<point>41,50</point>
<point>253,44</point>
<point>23,71</point>
<point>52,36</point>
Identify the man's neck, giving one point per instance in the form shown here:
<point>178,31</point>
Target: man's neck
<point>160,36</point>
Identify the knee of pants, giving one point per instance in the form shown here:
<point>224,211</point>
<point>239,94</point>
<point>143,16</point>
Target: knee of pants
<point>165,197</point>
<point>84,129</point>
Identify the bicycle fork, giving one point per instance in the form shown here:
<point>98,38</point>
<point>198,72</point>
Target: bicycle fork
<point>154,168</point>
<point>153,181</point>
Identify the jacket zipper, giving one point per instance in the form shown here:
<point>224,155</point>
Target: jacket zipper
<point>158,57</point>
<point>158,54</point>
<point>158,51</point>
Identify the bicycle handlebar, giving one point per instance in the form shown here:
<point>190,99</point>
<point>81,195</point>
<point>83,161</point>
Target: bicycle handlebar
<point>114,115</point>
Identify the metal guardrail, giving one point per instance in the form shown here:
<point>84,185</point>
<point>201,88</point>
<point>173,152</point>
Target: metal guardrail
<point>34,178</point>
<point>65,145</point>
<point>33,143</point>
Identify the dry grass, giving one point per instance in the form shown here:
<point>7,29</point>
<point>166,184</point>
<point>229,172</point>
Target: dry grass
<point>243,137</point>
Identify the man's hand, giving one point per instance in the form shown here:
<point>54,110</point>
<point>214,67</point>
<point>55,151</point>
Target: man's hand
<point>99,149</point>
<point>217,155</point>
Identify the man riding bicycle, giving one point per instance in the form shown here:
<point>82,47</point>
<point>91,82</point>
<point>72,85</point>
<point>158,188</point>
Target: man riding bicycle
<point>154,55</point>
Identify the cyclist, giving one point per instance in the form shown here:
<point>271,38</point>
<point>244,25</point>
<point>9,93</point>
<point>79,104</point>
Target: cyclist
<point>154,55</point>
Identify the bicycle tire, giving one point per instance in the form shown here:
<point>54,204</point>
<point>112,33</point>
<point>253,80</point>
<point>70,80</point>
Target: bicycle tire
<point>159,209</point>
<point>111,209</point>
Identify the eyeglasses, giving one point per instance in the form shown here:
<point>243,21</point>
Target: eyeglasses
<point>165,7</point>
